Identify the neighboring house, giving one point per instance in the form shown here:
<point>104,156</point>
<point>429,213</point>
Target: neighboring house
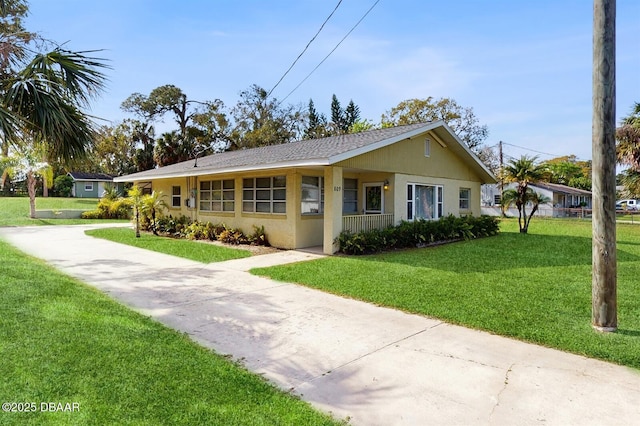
<point>305,193</point>
<point>90,185</point>
<point>565,200</point>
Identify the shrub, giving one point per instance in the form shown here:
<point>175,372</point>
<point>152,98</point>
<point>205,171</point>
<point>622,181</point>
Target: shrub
<point>233,236</point>
<point>418,233</point>
<point>258,238</point>
<point>108,208</point>
<point>62,186</point>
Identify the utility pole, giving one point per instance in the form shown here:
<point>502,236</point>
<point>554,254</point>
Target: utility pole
<point>604,267</point>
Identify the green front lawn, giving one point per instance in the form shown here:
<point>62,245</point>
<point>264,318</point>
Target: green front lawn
<point>14,211</point>
<point>534,287</point>
<point>194,250</point>
<point>64,342</point>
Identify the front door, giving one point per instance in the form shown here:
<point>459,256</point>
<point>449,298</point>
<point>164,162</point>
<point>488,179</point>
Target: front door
<point>374,198</point>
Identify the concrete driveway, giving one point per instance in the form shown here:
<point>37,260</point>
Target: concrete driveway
<point>373,365</point>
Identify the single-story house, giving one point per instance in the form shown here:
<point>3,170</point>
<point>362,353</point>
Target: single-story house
<point>306,193</point>
<point>90,185</point>
<point>564,200</point>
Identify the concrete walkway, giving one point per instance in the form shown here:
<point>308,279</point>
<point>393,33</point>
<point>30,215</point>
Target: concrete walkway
<point>373,365</point>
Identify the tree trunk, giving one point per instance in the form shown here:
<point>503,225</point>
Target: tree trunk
<point>604,267</point>
<point>31,189</point>
<point>137,223</point>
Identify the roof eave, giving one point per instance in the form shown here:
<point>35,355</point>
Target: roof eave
<point>199,171</point>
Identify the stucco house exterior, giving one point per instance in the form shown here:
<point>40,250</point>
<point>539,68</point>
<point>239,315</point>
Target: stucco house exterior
<point>90,185</point>
<point>305,193</point>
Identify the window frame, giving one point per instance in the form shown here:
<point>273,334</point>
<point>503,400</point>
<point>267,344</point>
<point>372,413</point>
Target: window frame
<point>220,192</point>
<point>176,199</point>
<point>258,196</point>
<point>348,190</point>
<point>462,199</point>
<point>310,200</point>
<point>438,200</point>
<point>88,186</point>
<point>427,147</point>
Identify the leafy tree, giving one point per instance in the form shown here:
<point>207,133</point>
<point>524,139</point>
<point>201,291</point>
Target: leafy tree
<point>62,185</point>
<point>201,125</point>
<point>361,126</point>
<point>628,151</point>
<point>260,121</point>
<point>462,121</point>
<point>26,164</point>
<point>523,171</point>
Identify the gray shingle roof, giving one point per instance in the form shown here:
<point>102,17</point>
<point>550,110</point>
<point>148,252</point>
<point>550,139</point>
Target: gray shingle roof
<point>91,176</point>
<point>311,152</point>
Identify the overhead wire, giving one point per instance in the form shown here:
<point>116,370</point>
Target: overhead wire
<point>305,49</point>
<point>332,50</point>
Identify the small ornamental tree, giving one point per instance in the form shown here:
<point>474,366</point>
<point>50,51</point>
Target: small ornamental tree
<point>135,195</point>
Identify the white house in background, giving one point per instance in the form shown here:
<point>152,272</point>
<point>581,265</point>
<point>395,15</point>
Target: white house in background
<point>565,200</point>
<point>90,185</point>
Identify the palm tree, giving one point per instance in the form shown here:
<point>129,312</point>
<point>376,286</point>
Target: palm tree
<point>523,171</point>
<point>533,198</point>
<point>135,195</point>
<point>42,94</point>
<point>152,204</point>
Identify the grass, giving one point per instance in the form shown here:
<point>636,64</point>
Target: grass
<point>534,287</point>
<point>194,250</point>
<point>62,341</point>
<point>15,210</point>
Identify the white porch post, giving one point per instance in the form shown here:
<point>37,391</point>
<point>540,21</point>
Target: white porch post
<point>332,207</point>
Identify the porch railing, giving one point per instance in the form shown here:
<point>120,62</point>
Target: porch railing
<point>366,222</point>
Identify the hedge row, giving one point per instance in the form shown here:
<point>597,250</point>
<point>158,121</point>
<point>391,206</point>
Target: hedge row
<point>184,227</point>
<point>418,233</point>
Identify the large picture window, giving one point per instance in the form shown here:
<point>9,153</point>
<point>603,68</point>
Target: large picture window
<point>424,201</point>
<point>264,195</point>
<point>312,195</point>
<point>217,195</point>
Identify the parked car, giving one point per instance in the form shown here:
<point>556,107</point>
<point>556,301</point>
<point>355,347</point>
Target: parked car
<point>627,205</point>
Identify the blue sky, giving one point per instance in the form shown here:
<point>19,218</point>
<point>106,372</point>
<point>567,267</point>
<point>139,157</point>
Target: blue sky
<point>523,65</point>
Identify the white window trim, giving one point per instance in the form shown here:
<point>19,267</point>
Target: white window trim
<point>177,197</point>
<point>439,204</point>
<point>427,147</point>
<point>222,192</point>
<point>254,189</point>
<point>364,193</point>
<point>344,192</point>
<point>88,186</point>
<point>319,201</point>
<point>468,199</point>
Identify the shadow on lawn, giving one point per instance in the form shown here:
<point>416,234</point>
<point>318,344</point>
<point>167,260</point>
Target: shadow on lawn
<point>502,252</point>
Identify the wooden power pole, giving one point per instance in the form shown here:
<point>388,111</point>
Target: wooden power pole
<point>604,267</point>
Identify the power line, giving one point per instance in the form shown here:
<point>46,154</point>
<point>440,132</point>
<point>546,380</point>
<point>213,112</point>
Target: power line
<point>305,49</point>
<point>333,50</point>
<point>538,152</point>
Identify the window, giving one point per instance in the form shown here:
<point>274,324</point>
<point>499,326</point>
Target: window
<point>465,198</point>
<point>497,199</point>
<point>88,186</point>
<point>350,196</point>
<point>217,195</point>
<point>424,201</point>
<point>176,201</point>
<point>427,147</point>
<point>312,195</point>
<point>264,195</point>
